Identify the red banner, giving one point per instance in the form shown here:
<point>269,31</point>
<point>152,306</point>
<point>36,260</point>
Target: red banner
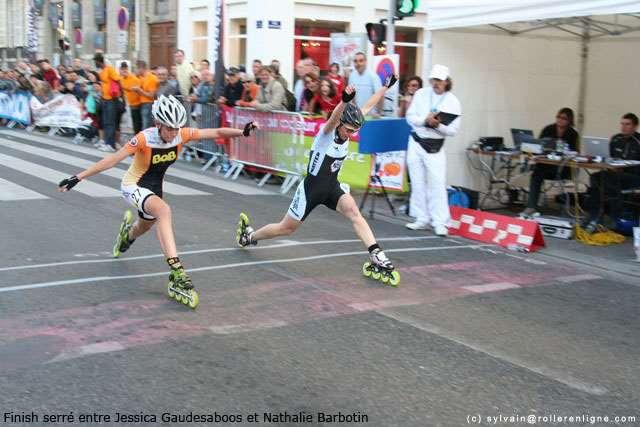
<point>512,233</point>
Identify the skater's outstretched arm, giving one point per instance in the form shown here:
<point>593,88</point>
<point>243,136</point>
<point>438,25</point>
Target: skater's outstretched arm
<point>347,95</point>
<point>228,132</point>
<point>377,97</point>
<point>100,166</point>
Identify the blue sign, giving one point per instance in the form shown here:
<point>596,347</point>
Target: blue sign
<point>258,24</point>
<point>380,136</point>
<point>275,25</point>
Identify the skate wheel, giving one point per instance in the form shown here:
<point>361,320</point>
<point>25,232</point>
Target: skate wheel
<point>178,297</point>
<point>244,220</point>
<point>395,278</point>
<point>170,291</point>
<point>194,300</point>
<point>375,275</point>
<point>365,269</point>
<point>385,278</point>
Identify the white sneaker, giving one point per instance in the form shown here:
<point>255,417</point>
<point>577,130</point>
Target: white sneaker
<point>417,225</point>
<point>107,148</point>
<point>99,144</point>
<point>441,231</point>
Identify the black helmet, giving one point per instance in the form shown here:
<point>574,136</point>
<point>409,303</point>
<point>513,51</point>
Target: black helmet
<point>352,115</point>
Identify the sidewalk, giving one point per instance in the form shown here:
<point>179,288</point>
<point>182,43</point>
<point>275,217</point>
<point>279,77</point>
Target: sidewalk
<point>617,258</point>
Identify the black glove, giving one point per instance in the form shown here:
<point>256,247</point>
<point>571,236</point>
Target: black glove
<point>390,81</point>
<point>248,128</point>
<point>346,97</point>
<point>69,183</point>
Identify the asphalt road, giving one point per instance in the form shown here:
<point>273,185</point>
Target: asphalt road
<point>290,331</point>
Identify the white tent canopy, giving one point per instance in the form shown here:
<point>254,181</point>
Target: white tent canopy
<point>466,13</point>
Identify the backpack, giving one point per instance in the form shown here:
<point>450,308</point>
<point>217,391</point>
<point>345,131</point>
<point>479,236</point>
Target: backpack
<point>458,197</point>
<point>289,100</point>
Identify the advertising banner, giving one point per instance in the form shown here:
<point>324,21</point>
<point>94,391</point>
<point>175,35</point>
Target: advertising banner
<point>344,46</point>
<point>278,145</point>
<point>391,168</point>
<point>62,112</point>
<point>15,106</point>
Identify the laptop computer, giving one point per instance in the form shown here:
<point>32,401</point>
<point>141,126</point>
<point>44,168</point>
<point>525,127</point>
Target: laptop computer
<point>595,146</point>
<point>517,135</point>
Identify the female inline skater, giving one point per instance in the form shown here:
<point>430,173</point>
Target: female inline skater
<point>321,186</point>
<point>154,150</point>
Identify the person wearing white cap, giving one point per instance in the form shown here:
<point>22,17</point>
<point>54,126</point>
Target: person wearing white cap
<point>434,114</point>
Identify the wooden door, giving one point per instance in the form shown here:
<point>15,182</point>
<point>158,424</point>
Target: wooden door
<point>162,44</point>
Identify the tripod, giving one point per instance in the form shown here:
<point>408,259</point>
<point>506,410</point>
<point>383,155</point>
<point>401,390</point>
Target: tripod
<point>375,178</point>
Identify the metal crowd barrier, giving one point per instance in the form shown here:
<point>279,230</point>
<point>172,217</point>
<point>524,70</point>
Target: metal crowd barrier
<point>278,146</point>
<point>204,116</point>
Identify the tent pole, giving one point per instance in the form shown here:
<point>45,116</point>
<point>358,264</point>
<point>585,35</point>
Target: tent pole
<point>584,59</point>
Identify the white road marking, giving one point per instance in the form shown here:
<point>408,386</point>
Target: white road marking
<point>200,178</point>
<point>11,191</point>
<point>219,267</point>
<point>578,278</point>
<point>551,373</point>
<point>203,251</point>
<point>117,173</point>
<point>86,187</point>
<point>490,287</point>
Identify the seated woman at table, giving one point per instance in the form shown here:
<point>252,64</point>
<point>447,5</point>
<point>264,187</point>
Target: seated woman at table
<point>561,130</point>
<point>624,145</point>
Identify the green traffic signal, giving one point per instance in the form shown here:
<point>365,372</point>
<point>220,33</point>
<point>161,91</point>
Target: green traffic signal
<point>406,7</point>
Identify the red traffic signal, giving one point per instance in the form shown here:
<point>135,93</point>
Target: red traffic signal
<point>377,33</point>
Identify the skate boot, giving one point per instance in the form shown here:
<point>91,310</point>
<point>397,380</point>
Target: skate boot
<point>181,289</point>
<point>380,268</point>
<point>122,242</point>
<point>244,231</point>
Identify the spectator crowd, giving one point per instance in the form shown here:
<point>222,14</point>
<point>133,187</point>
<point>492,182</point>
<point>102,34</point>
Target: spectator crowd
<point>103,91</point>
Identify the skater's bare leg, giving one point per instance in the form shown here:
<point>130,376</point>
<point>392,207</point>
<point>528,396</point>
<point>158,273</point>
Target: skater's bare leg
<point>347,207</point>
<point>140,227</point>
<point>285,227</point>
<point>159,209</point>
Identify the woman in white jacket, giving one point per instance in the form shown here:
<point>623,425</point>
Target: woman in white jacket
<point>433,115</point>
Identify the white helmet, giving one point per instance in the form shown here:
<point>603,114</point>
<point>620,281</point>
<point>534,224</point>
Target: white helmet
<point>168,111</point>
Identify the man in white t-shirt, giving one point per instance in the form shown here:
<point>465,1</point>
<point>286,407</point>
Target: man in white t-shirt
<point>430,108</point>
<point>365,82</point>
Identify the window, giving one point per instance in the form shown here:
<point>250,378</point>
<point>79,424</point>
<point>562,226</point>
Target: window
<point>313,40</point>
<point>199,41</point>
<point>162,7</point>
<point>237,42</point>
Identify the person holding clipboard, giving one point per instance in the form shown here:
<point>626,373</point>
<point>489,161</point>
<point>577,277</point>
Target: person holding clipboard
<point>434,114</point>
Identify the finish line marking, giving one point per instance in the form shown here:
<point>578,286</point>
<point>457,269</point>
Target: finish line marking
<point>223,266</point>
<point>285,244</point>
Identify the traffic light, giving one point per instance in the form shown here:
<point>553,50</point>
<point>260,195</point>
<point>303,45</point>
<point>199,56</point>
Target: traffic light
<point>406,8</point>
<point>377,33</point>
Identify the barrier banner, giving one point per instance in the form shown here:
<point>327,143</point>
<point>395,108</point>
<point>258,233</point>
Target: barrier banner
<point>15,106</point>
<point>513,233</point>
<point>391,168</point>
<point>284,143</point>
<point>61,112</point>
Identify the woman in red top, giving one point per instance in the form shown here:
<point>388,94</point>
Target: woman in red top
<point>327,98</point>
<point>334,76</point>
